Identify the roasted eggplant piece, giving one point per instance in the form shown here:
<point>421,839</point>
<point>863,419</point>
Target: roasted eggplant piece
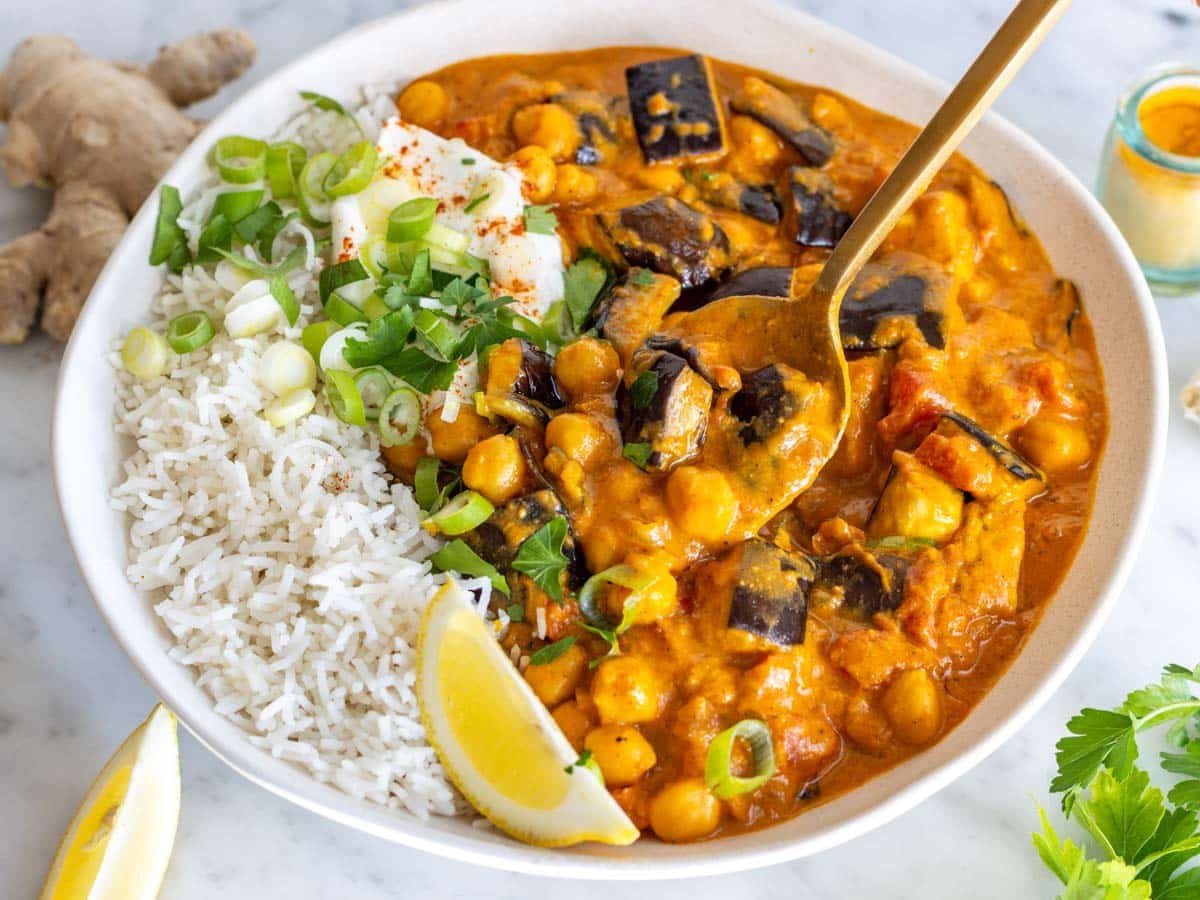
<point>520,382</point>
<point>814,218</point>
<point>675,108</point>
<point>762,281</point>
<point>673,420</point>
<point>1012,461</point>
<point>783,115</point>
<point>633,310</point>
<point>670,237</point>
<point>768,399</point>
<point>864,581</point>
<point>499,538</point>
<point>768,591</point>
<point>721,189</point>
<point>597,115</point>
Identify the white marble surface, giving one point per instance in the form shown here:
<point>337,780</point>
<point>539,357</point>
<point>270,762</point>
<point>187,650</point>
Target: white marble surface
<point>68,695</point>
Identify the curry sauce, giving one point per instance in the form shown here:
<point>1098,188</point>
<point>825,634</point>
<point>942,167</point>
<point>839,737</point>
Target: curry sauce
<point>860,620</point>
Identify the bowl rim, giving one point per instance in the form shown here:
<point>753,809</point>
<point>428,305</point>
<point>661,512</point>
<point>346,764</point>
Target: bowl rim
<point>715,858</point>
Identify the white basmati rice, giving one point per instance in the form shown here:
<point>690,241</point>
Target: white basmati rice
<point>286,564</point>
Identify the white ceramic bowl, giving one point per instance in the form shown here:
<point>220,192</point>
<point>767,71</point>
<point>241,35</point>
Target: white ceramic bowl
<point>1079,237</point>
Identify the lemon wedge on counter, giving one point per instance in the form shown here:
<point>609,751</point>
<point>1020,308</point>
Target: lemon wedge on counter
<point>498,742</point>
<point>119,843</point>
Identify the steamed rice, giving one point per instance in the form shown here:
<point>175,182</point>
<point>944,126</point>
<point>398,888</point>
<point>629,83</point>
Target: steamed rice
<point>286,564</point>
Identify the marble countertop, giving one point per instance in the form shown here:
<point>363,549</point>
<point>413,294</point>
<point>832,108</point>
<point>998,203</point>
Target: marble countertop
<point>68,695</point>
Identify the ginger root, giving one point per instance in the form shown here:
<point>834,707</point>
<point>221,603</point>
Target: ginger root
<point>100,135</point>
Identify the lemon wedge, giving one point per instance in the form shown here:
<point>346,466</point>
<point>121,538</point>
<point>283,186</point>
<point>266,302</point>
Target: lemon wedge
<point>498,742</point>
<point>119,843</point>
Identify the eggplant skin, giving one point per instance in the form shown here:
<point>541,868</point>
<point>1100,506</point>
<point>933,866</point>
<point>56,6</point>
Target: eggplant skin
<point>765,402</point>
<point>815,220</point>
<point>1006,456</point>
<point>668,236</point>
<point>675,421</point>
<point>779,112</point>
<point>869,583</point>
<point>675,109</point>
<point>634,309</point>
<point>756,201</point>
<point>761,281</point>
<point>770,589</point>
<point>499,538</point>
<point>598,115</point>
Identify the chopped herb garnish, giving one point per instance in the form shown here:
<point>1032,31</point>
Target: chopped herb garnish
<point>900,542</point>
<point>551,652</point>
<point>386,336</point>
<point>328,104</point>
<point>608,635</point>
<point>420,369</point>
<point>334,278</point>
<point>456,556</point>
<point>638,454</point>
<point>516,612</point>
<point>170,241</point>
<point>541,558</point>
<point>583,283</point>
<point>643,277</point>
<point>476,202</point>
<point>643,389</point>
<point>250,227</point>
<point>420,277</point>
<point>586,761</point>
<point>216,236</point>
<point>540,220</point>
<point>467,161</point>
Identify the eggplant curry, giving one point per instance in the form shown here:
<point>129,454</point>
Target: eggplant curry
<point>723,677</point>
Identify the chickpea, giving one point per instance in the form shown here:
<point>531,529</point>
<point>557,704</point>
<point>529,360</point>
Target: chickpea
<point>829,113</point>
<point>423,103</point>
<point>913,706</point>
<point>402,459</point>
<point>917,503</point>
<point>625,689</point>
<point>538,170</point>
<point>684,811</point>
<point>453,440</point>
<point>587,368</point>
<point>701,502</point>
<point>574,184</point>
<point>578,435</point>
<point>665,179</point>
<point>550,126</point>
<point>1055,444</point>
<point>659,598</point>
<point>622,753</point>
<point>555,681</point>
<point>754,140</point>
<point>574,722</point>
<point>496,468</point>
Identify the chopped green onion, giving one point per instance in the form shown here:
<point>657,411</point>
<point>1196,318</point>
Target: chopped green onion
<point>643,389</point>
<point>294,259</point>
<point>283,295</point>
<point>374,307</point>
<point>328,104</point>
<point>410,220</point>
<point>353,170</point>
<point>168,236</point>
<point>400,421</point>
<point>342,311</point>
<point>216,236</point>
<point>551,652</point>
<point>285,161</point>
<point>623,576</point>
<point>240,160</point>
<point>314,336</point>
<point>374,386</point>
<point>438,332</point>
<point>476,202</point>
<point>343,396</point>
<point>466,511</point>
<point>266,238</point>
<point>369,255</point>
<point>314,202</point>
<point>145,353</point>
<point>287,409</point>
<point>190,331</point>
<point>236,205</point>
<point>456,556</point>
<point>447,238</point>
<point>425,482</point>
<point>717,775</point>
<point>251,226</point>
<point>336,277</point>
<point>900,542</point>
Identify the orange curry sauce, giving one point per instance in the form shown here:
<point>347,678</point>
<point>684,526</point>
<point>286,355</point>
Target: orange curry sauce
<point>923,555</point>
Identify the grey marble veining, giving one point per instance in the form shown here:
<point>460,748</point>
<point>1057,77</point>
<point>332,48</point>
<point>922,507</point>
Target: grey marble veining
<point>68,695</point>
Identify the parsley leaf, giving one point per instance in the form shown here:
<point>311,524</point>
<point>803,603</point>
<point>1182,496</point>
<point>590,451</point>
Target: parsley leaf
<point>421,370</point>
<point>1086,879</point>
<point>541,558</point>
<point>1122,815</point>
<point>643,390</point>
<point>551,652</point>
<point>1101,737</point>
<point>637,453</point>
<point>583,283</point>
<point>540,220</point>
<point>516,612</point>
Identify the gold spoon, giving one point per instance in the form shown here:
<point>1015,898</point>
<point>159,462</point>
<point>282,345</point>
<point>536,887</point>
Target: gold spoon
<point>803,331</point>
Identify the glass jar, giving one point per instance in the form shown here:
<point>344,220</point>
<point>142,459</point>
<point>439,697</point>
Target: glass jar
<point>1150,174</point>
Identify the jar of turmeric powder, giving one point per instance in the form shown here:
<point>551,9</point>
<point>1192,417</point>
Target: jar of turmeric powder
<point>1150,174</point>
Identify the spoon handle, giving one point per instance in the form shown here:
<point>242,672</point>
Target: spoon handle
<point>991,72</point>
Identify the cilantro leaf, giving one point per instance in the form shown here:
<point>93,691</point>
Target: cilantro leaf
<point>583,282</point>
<point>458,293</point>
<point>421,370</point>
<point>456,556</point>
<point>643,390</point>
<point>385,336</point>
<point>1100,737</point>
<point>516,612</point>
<point>541,558</point>
<point>540,220</point>
<point>551,652</point>
<point>637,453</point>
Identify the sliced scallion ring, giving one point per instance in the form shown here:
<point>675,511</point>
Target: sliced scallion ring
<point>236,205</point>
<point>168,236</point>
<point>411,220</point>
<point>314,202</point>
<point>353,170</point>
<point>466,511</point>
<point>447,238</point>
<point>440,334</point>
<point>399,423</point>
<point>342,311</point>
<point>717,773</point>
<point>624,576</point>
<point>425,477</point>
<point>190,331</point>
<point>145,353</point>
<point>342,394</point>
<point>240,160</point>
<point>314,336</point>
<point>373,255</point>
<point>374,308</point>
<point>284,163</point>
<point>374,386</point>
